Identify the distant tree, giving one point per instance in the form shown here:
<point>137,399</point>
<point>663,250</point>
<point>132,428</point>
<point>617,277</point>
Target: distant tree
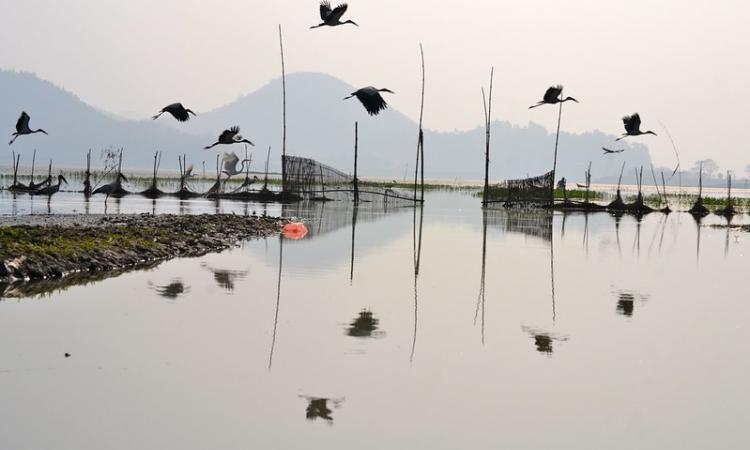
<point>710,168</point>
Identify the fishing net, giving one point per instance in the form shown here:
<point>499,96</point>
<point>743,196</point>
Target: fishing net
<point>526,191</point>
<point>311,179</point>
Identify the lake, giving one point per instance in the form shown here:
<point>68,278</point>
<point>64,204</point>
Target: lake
<point>522,329</point>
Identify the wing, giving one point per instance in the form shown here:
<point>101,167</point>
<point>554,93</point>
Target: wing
<point>178,112</point>
<point>632,123</point>
<point>552,93</point>
<point>325,10</point>
<point>337,12</point>
<point>23,122</point>
<point>189,170</point>
<point>372,101</point>
<point>230,158</point>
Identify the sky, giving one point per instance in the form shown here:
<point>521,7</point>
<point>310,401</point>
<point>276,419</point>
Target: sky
<point>683,63</point>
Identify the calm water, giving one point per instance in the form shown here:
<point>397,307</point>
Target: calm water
<point>582,332</point>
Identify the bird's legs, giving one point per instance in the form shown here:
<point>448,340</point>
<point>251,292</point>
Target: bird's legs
<point>15,136</point>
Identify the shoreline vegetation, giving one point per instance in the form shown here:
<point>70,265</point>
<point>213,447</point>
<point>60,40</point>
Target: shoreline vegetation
<point>58,247</point>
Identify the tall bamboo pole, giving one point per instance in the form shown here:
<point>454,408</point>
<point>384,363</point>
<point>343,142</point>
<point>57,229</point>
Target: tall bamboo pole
<point>554,162</point>
<point>487,134</point>
<point>356,181</point>
<point>283,112</point>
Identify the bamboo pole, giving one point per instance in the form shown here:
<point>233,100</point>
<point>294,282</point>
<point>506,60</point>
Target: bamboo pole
<point>554,161</point>
<point>487,134</point>
<point>356,181</point>
<point>33,164</point>
<point>283,112</point>
<point>420,139</point>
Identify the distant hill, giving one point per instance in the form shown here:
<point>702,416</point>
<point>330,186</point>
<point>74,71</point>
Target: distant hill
<point>320,125</point>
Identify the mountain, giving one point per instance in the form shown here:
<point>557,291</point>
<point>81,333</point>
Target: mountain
<point>320,125</point>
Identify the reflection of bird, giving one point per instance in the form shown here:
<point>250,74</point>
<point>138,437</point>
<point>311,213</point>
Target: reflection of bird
<point>52,189</point>
<point>330,17</point>
<point>177,111</point>
<point>608,151</point>
<point>371,99</point>
<point>552,96</point>
<point>110,188</point>
<point>22,127</point>
<point>172,290</point>
<point>633,126</point>
<point>230,136</point>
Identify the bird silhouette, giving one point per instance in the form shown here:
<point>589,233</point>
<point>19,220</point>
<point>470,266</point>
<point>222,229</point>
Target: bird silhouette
<point>230,136</point>
<point>230,164</point>
<point>371,99</point>
<point>552,96</point>
<point>609,151</point>
<point>633,127</point>
<point>22,127</point>
<point>332,17</point>
<point>177,111</point>
<point>51,189</point>
<point>110,188</point>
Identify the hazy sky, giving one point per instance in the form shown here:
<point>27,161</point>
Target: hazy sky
<point>683,62</point>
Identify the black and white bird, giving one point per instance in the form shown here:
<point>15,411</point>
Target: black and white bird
<point>230,136</point>
<point>633,127</point>
<point>22,127</point>
<point>51,189</point>
<point>332,17</point>
<point>177,111</point>
<point>371,99</point>
<point>608,151</point>
<point>552,96</point>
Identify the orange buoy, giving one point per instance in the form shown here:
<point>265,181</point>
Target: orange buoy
<point>294,230</point>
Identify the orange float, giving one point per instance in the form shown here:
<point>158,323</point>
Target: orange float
<point>294,230</point>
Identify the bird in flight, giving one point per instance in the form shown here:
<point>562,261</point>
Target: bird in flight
<point>552,96</point>
<point>332,17</point>
<point>22,127</point>
<point>177,111</point>
<point>633,127</point>
<point>230,136</point>
<point>609,151</point>
<point>371,99</point>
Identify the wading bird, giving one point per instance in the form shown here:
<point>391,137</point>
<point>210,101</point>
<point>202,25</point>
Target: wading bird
<point>552,96</point>
<point>633,126</point>
<point>177,111</point>
<point>371,99</point>
<point>110,188</point>
<point>330,17</point>
<point>609,152</point>
<point>22,127</point>
<point>52,189</point>
<point>230,136</point>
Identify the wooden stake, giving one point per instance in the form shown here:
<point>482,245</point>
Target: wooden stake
<point>283,112</point>
<point>356,182</point>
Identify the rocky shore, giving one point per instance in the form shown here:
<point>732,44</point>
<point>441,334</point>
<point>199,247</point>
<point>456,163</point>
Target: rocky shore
<point>56,246</point>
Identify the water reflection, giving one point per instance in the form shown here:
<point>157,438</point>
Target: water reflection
<point>364,326</point>
<point>417,223</point>
<point>226,278</point>
<point>543,340</point>
<point>318,408</point>
<point>626,302</point>
<point>172,290</point>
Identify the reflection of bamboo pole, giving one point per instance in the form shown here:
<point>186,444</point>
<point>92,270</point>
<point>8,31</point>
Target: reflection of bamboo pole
<point>354,230</point>
<point>278,301</point>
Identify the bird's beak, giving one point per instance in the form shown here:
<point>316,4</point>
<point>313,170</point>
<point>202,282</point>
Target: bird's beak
<point>63,178</point>
<point>124,177</point>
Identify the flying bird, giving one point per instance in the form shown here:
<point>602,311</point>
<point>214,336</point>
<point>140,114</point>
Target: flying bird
<point>177,111</point>
<point>230,164</point>
<point>371,99</point>
<point>52,189</point>
<point>332,17</point>
<point>552,96</point>
<point>230,136</point>
<point>608,151</point>
<point>633,126</point>
<point>22,127</point>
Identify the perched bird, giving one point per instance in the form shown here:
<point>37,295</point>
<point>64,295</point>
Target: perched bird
<point>633,126</point>
<point>371,99</point>
<point>230,136</point>
<point>178,111</point>
<point>330,17</point>
<point>230,164</point>
<point>608,151</point>
<point>22,127</point>
<point>552,96</point>
<point>51,189</point>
